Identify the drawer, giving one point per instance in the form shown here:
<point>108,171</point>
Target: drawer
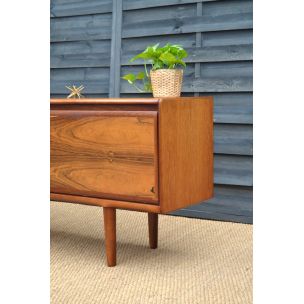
<point>105,154</point>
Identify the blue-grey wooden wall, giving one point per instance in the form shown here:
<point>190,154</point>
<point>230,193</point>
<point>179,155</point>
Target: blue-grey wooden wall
<point>93,40</point>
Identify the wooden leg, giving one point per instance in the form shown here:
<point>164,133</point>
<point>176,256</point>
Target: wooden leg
<point>153,229</point>
<point>109,215</point>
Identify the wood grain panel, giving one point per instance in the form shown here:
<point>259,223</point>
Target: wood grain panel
<point>236,108</point>
<point>207,84</point>
<point>89,27</point>
<point>199,54</point>
<point>230,203</point>
<point>93,79</point>
<point>233,170</point>
<point>138,4</point>
<point>188,25</point>
<point>186,151</point>
<point>233,139</point>
<point>104,154</point>
<point>80,7</point>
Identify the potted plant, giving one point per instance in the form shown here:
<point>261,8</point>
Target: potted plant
<point>166,74</point>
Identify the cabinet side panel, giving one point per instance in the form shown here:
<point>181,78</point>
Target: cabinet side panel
<point>186,151</point>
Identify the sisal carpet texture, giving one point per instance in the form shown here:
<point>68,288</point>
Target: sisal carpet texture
<point>198,261</point>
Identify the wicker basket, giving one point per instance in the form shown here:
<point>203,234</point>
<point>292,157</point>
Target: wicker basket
<point>166,82</point>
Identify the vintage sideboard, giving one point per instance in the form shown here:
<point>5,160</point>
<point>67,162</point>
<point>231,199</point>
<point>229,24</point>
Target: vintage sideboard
<point>153,155</point>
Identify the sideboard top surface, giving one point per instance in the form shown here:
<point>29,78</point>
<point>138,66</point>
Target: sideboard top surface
<point>119,101</point>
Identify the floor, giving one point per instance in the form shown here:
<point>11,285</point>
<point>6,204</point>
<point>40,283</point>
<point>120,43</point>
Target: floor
<point>198,261</point>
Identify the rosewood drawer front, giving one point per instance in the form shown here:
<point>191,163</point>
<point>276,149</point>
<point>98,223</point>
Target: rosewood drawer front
<point>105,154</point>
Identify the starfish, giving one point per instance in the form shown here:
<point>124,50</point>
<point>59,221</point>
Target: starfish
<point>75,92</point>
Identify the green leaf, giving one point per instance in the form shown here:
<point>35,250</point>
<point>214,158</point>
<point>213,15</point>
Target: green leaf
<point>174,50</point>
<point>165,48</point>
<point>158,65</point>
<point>181,62</point>
<point>143,55</point>
<point>167,58</point>
<point>140,75</point>
<point>148,87</point>
<point>151,52</point>
<point>155,46</point>
<point>130,78</point>
<point>182,54</point>
<point>177,46</point>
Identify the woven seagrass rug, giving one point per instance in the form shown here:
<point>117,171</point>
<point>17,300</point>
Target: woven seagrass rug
<point>198,261</point>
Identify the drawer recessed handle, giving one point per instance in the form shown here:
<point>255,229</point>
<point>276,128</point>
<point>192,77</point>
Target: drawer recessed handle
<point>152,190</point>
<point>110,156</point>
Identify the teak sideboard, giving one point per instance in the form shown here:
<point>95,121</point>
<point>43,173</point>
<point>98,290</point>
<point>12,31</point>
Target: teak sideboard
<point>144,154</point>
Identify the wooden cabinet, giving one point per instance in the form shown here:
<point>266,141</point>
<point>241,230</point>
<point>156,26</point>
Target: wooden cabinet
<point>152,155</point>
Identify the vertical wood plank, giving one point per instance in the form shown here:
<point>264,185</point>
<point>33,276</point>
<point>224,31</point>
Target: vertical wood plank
<point>114,87</point>
<point>198,43</point>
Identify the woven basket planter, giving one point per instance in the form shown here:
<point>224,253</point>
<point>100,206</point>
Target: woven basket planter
<point>166,82</point>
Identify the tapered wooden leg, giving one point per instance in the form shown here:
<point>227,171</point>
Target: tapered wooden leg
<point>153,229</point>
<point>109,215</point>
